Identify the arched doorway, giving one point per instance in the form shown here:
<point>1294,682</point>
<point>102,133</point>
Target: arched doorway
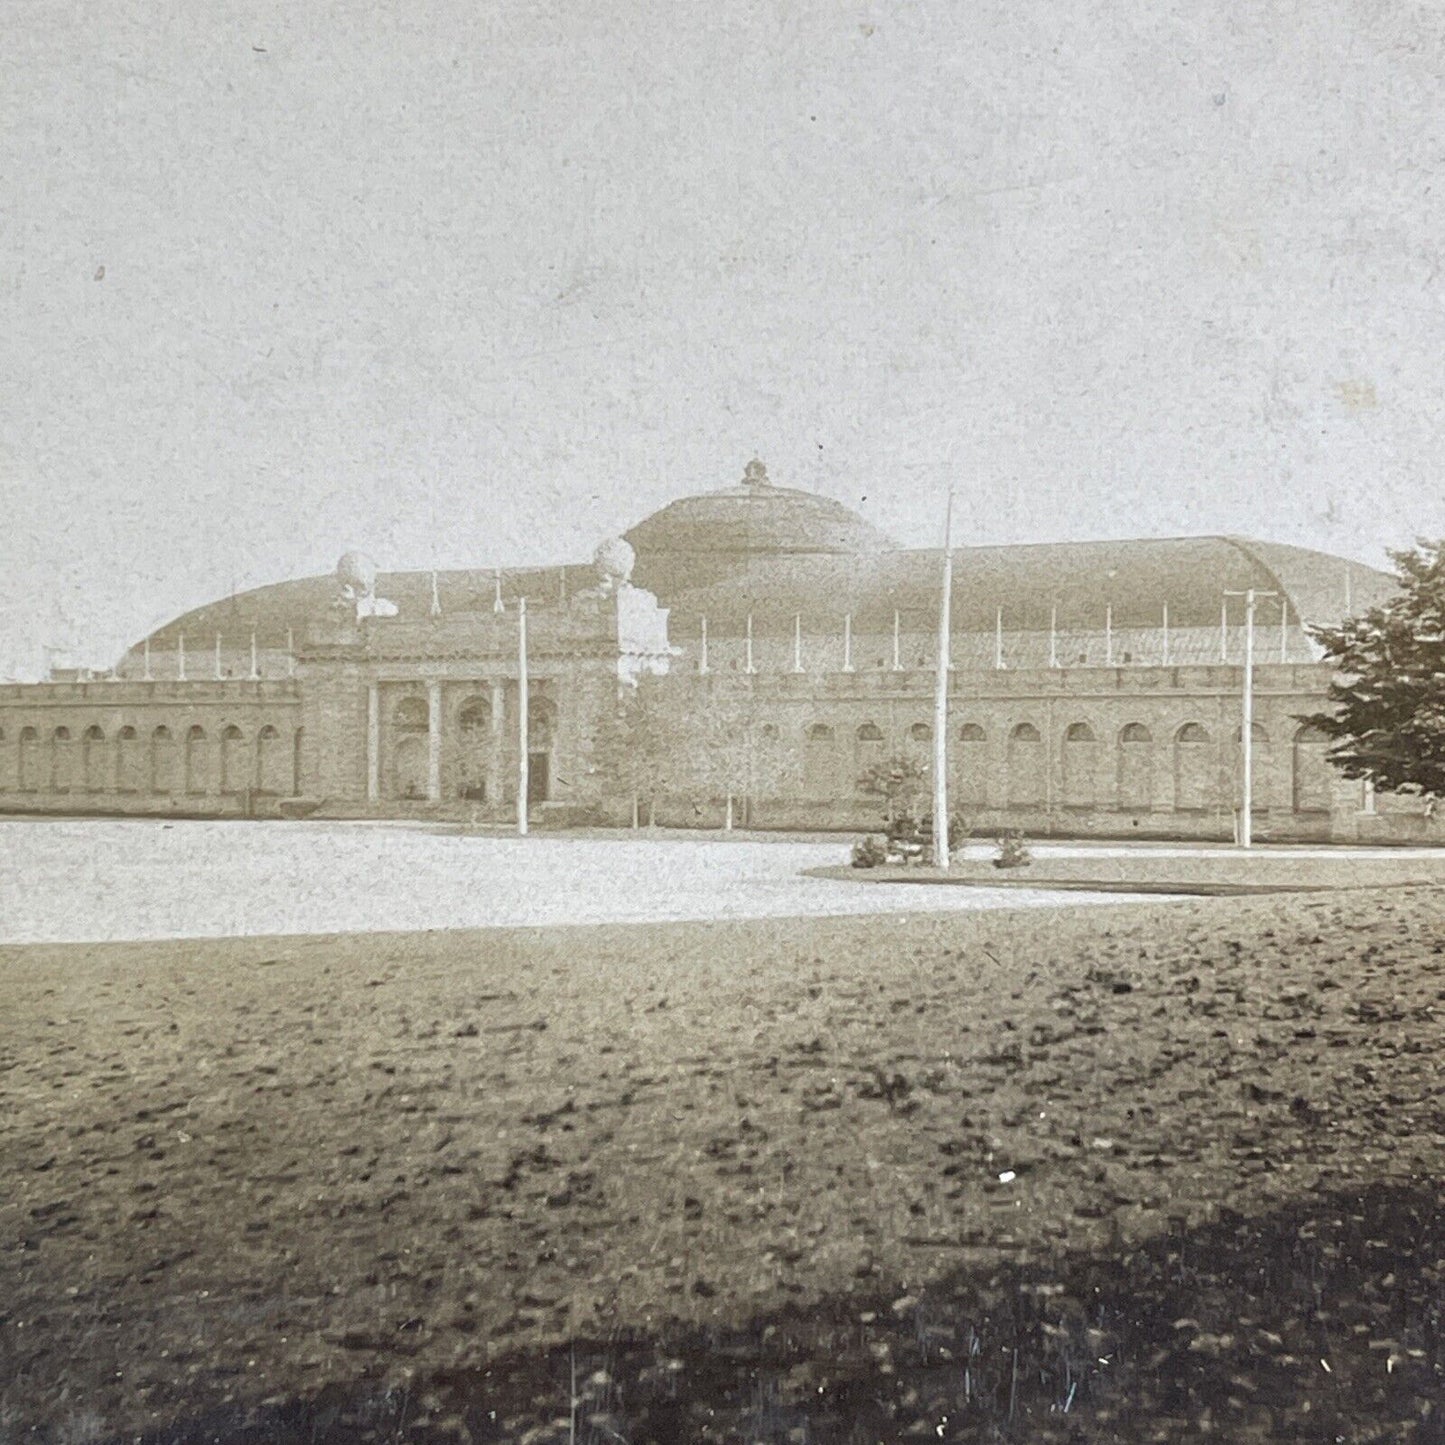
<point>199,773</point>
<point>233,767</point>
<point>163,761</point>
<point>29,761</point>
<point>411,723</point>
<point>1025,767</point>
<point>1313,777</point>
<point>819,762</point>
<point>1081,766</point>
<point>1194,769</point>
<point>970,766</point>
<point>92,759</point>
<point>273,763</point>
<point>128,772</point>
<point>541,740</point>
<point>61,761</point>
<point>1136,769</point>
<point>474,748</point>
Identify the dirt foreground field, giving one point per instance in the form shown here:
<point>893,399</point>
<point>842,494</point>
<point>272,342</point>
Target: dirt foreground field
<point>1165,1172</point>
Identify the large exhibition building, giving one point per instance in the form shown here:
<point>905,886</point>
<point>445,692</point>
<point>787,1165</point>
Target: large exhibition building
<point>1096,686</point>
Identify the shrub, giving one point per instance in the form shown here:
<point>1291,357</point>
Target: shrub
<point>1013,852</point>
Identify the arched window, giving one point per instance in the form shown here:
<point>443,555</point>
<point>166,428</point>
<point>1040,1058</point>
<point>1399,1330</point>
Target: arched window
<point>129,772</point>
<point>199,773</point>
<point>29,760</point>
<point>1312,775</point>
<point>870,733</point>
<point>870,751</point>
<point>412,715</point>
<point>163,761</point>
<point>473,753</point>
<point>273,762</point>
<point>1195,768</point>
<point>970,765</point>
<point>1136,768</point>
<point>60,761</point>
<point>920,732</point>
<point>1026,765</point>
<point>820,763</point>
<point>541,723</point>
<point>92,759</point>
<point>233,770</point>
<point>1081,766</point>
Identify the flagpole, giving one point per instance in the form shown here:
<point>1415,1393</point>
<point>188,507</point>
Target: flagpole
<point>523,780</point>
<point>940,696</point>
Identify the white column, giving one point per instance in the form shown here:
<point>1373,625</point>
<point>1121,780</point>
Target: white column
<point>847,642</point>
<point>255,667</point>
<point>702,650</point>
<point>373,742</point>
<point>434,741</point>
<point>1367,796</point>
<point>748,666</point>
<point>1224,631</point>
<point>897,654</point>
<point>797,642</point>
<point>998,639</point>
<point>290,653</point>
<point>524,761</point>
<point>181,658</point>
<point>1054,636</point>
<point>1166,635</point>
<point>1108,634</point>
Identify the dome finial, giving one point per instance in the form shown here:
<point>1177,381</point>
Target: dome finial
<point>755,474</point>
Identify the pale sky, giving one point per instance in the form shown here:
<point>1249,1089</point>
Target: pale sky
<point>466,282</point>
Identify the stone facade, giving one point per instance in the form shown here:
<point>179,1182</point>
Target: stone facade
<point>1096,687</point>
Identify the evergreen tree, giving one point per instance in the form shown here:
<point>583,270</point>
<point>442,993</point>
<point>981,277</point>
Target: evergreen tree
<point>1387,723</point>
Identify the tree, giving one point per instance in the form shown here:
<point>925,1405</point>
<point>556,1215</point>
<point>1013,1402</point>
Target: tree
<point>1387,721</point>
<point>901,781</point>
<point>724,750</point>
<point>634,748</point>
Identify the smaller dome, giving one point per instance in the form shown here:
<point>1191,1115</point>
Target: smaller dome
<point>614,560</point>
<point>356,572</point>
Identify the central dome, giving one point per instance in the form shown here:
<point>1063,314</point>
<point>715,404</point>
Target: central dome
<point>703,539</point>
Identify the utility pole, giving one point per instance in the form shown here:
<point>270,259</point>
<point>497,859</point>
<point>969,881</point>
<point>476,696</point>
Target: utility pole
<point>1246,729</point>
<point>523,761</point>
<point>940,697</point>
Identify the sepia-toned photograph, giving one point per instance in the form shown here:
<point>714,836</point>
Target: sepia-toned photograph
<point>722,723</point>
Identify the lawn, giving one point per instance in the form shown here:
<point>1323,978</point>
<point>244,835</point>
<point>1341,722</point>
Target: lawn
<point>1132,1173</point>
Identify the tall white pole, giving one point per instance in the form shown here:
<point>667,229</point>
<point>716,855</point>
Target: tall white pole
<point>1246,819</point>
<point>998,639</point>
<point>1109,634</point>
<point>797,642</point>
<point>702,652</point>
<point>848,642</point>
<point>1054,636</point>
<point>1246,730</point>
<point>1224,631</point>
<point>1166,634</point>
<point>255,667</point>
<point>748,667</point>
<point>940,696</point>
<point>523,761</point>
<point>181,658</point>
